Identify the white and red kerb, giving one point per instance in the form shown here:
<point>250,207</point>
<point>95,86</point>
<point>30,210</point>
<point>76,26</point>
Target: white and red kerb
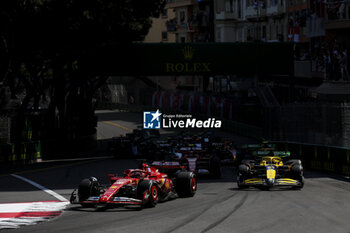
<point>14,215</point>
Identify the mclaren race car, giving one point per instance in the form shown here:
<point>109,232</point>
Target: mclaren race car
<point>269,169</point>
<point>143,187</point>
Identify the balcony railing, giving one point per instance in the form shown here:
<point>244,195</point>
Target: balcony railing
<point>341,12</point>
<point>338,17</point>
<point>315,27</point>
<point>275,10</point>
<point>180,3</point>
<point>227,15</point>
<point>171,25</point>
<point>254,13</point>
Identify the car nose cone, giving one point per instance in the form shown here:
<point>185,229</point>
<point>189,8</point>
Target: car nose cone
<point>270,181</point>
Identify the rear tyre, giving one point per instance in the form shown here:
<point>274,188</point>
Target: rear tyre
<point>294,162</point>
<point>88,188</point>
<point>242,186</point>
<point>148,192</point>
<point>186,184</point>
<point>297,174</point>
<point>243,169</point>
<point>241,177</point>
<point>247,161</point>
<point>243,173</point>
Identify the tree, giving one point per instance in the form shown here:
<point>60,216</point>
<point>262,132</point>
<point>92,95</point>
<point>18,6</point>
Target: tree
<point>43,43</point>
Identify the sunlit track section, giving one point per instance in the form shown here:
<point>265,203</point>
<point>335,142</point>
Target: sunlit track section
<point>15,215</point>
<point>52,193</point>
<point>118,125</point>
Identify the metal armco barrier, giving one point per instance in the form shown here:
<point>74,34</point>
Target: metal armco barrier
<point>320,157</point>
<point>20,153</point>
<point>37,151</point>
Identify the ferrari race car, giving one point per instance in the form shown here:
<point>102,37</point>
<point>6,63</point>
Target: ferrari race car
<point>143,187</point>
<point>269,169</point>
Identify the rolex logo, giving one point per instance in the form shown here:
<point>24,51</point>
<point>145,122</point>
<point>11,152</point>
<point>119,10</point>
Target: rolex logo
<point>188,52</point>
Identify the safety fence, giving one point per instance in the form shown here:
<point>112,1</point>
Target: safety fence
<point>21,153</point>
<point>320,157</point>
<point>214,105</point>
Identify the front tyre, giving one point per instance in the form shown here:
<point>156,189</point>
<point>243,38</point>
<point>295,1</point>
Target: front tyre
<point>240,181</point>
<point>88,188</point>
<point>186,184</point>
<point>148,192</point>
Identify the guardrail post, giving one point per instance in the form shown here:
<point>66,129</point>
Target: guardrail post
<point>37,152</point>
<point>346,166</point>
<point>23,153</point>
<point>3,154</point>
<point>12,155</point>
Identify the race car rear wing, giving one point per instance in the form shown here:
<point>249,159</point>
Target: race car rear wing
<point>167,167</point>
<point>259,146</point>
<point>262,153</point>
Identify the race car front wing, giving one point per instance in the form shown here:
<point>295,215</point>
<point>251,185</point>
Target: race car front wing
<point>277,182</point>
<point>114,200</point>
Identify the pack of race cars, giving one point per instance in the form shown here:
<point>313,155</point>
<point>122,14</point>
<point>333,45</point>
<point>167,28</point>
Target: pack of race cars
<point>171,166</point>
<point>201,153</point>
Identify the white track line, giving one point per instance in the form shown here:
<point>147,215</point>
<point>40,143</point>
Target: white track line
<point>52,193</point>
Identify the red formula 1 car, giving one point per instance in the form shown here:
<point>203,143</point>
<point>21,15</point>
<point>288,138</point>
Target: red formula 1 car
<point>138,187</point>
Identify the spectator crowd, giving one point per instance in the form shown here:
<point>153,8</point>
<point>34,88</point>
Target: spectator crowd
<point>331,59</point>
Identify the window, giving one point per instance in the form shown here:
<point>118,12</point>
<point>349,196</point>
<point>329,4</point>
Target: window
<point>165,13</point>
<point>229,6</point>
<point>218,35</point>
<point>182,17</point>
<point>164,36</point>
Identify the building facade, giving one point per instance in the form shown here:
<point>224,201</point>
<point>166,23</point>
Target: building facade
<point>244,21</point>
<point>193,20</point>
<point>158,32</point>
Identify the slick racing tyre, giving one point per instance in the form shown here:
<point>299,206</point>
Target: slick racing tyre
<point>242,174</point>
<point>301,180</point>
<point>294,162</point>
<point>186,184</point>
<point>242,186</point>
<point>247,161</point>
<point>297,170</point>
<point>243,169</point>
<point>148,192</point>
<point>297,174</point>
<point>88,188</point>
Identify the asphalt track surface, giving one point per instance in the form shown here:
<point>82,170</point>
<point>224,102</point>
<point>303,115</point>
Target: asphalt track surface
<point>218,206</point>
